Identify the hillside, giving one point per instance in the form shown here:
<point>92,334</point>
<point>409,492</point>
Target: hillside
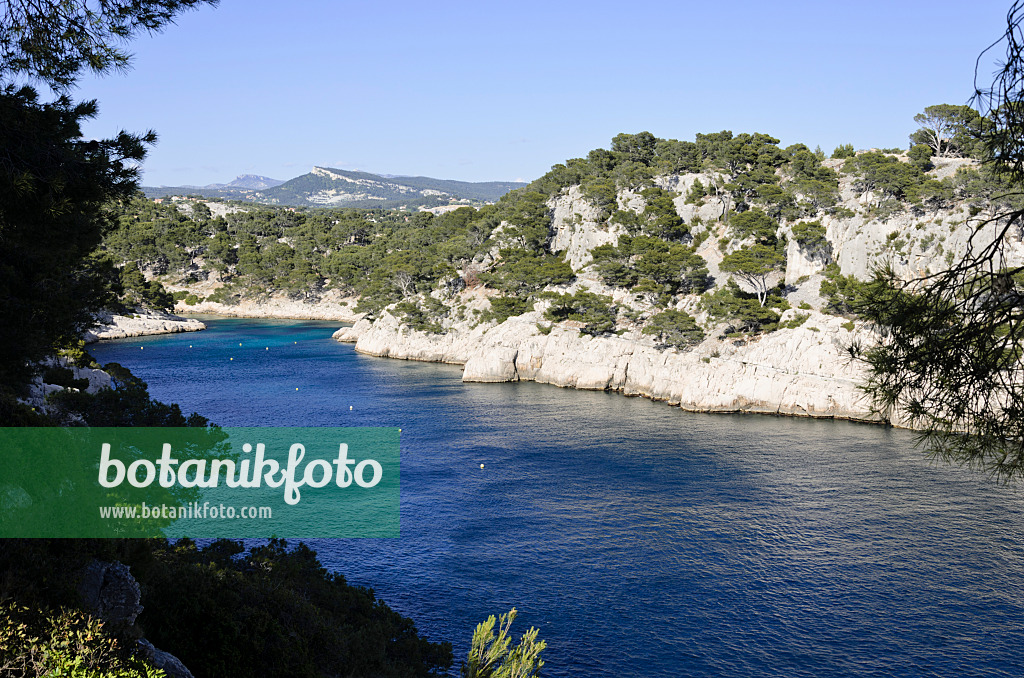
<point>720,274</point>
<point>344,188</point>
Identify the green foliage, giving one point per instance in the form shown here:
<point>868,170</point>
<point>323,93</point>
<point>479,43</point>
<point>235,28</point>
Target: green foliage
<point>56,192</point>
<point>66,643</point>
<point>948,130</point>
<point>75,354</point>
<point>843,294</point>
<point>522,273</point>
<point>675,328</point>
<point>490,655</point>
<point>137,291</point>
<point>921,155</point>
<point>529,219</point>
<point>660,217</point>
<point>268,611</point>
<point>666,267</point>
<point>422,319</point>
<point>894,180</point>
<point>127,403</point>
<point>754,265</point>
<point>756,224</point>
<point>810,235</point>
<point>596,311</point>
<point>696,193</point>
<point>843,151</point>
<point>797,320</point>
<point>272,611</point>
<point>54,43</point>
<point>503,308</point>
<point>744,311</point>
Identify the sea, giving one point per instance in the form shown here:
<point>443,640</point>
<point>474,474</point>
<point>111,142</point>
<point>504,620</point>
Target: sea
<point>639,539</point>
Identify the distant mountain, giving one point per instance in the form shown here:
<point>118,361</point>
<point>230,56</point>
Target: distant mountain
<point>328,187</point>
<point>250,181</point>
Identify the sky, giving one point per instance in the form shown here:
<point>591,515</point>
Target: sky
<point>501,91</point>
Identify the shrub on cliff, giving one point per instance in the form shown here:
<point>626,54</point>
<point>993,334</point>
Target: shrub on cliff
<point>675,328</point>
<point>271,611</point>
<point>742,310</point>
<point>594,310</point>
<point>67,643</point>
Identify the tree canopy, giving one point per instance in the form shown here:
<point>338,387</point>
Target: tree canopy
<point>56,188</point>
<point>949,361</point>
<point>55,41</point>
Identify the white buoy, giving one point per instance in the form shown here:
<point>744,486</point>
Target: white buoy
<point>349,407</point>
<point>481,465</point>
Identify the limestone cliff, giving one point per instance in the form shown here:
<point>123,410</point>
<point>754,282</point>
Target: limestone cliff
<point>116,326</point>
<point>802,369</point>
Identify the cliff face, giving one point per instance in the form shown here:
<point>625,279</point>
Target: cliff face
<point>114,326</point>
<point>802,370</point>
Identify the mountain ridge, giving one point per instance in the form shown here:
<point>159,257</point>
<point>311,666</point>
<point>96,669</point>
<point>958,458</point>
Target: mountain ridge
<point>330,187</point>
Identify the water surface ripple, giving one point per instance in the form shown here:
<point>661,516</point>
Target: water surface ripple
<point>642,540</point>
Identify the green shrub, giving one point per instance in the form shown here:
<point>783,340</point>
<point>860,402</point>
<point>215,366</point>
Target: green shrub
<point>844,151</point>
<point>842,293</point>
<point>424,320</point>
<point>797,320</point>
<point>810,235</point>
<point>66,643</point>
<point>503,308</point>
<point>63,376</point>
<point>594,310</point>
<point>741,309</point>
<point>675,328</point>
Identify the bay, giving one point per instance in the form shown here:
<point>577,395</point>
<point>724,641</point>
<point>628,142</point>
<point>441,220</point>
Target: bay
<point>640,539</point>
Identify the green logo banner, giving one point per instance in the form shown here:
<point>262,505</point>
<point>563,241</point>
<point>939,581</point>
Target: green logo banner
<point>199,482</point>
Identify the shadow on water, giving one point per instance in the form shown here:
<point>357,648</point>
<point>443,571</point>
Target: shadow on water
<point>633,534</point>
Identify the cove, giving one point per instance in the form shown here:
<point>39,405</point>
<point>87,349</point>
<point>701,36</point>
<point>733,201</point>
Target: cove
<point>640,539</point>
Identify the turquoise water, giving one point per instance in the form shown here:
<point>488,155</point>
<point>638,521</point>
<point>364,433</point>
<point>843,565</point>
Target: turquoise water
<point>641,540</point>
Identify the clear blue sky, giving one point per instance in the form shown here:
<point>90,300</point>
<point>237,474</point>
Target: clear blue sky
<point>482,91</point>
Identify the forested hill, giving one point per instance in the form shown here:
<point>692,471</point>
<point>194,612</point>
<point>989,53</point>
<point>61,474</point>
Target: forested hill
<point>659,240</point>
<point>328,187</point>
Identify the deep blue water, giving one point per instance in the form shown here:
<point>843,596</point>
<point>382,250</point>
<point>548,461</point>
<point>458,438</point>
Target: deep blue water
<point>640,539</point>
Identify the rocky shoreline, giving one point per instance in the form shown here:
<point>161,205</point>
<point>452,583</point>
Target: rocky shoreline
<point>342,310</point>
<point>143,323</point>
<point>801,371</point>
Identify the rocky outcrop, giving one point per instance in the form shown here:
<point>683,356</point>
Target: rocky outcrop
<point>340,309</point>
<point>802,371</point>
<point>110,592</point>
<point>800,263</point>
<point>114,326</point>
<point>165,661</point>
<point>577,228</point>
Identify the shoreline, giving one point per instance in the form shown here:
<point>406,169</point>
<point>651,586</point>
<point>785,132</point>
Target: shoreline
<point>799,372</point>
<point>794,372</point>
<point>140,324</point>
